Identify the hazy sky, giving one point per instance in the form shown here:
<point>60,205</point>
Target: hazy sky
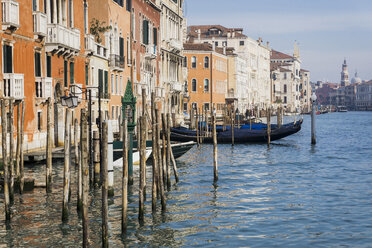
<point>327,30</point>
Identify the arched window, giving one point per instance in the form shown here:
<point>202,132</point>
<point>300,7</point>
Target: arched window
<point>193,62</point>
<point>206,85</point>
<point>206,62</point>
<point>193,85</point>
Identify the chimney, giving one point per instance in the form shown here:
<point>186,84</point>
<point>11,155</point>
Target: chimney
<point>233,34</point>
<point>199,34</point>
<point>228,34</point>
<point>268,44</point>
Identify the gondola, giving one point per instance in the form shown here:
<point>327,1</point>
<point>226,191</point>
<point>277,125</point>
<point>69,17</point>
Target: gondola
<point>241,135</point>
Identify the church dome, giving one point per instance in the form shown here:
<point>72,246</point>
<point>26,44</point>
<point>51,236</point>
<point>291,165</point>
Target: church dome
<point>356,79</point>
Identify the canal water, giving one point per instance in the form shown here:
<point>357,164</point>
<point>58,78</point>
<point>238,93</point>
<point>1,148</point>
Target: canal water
<point>291,195</point>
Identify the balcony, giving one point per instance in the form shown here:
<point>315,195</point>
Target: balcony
<point>40,23</point>
<point>13,85</point>
<point>10,14</point>
<point>89,44</point>
<point>100,51</point>
<point>151,52</point>
<point>43,87</point>
<point>159,92</point>
<point>176,45</point>
<point>61,39</point>
<point>117,62</point>
<point>176,86</point>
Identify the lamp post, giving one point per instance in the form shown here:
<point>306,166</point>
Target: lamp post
<point>128,107</point>
<point>313,136</point>
<point>71,101</point>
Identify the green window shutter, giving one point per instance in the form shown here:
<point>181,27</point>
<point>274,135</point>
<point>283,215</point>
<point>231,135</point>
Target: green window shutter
<point>86,74</point>
<point>121,46</point>
<point>72,73</point>
<point>8,59</point>
<point>106,83</point>
<point>49,66</point>
<point>37,65</point>
<point>65,72</point>
<point>155,36</point>
<point>100,80</point>
<point>145,32</point>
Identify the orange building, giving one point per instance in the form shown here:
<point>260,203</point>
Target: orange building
<point>207,76</point>
<point>145,27</point>
<point>42,54</point>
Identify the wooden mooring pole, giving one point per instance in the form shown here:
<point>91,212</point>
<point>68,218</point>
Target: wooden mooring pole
<point>166,123</point>
<point>66,177</point>
<point>197,127</point>
<point>85,174</point>
<point>164,151</point>
<point>170,153</point>
<point>5,159</point>
<point>49,156</point>
<point>142,151</point>
<point>22,171</point>
<point>105,235</point>
<point>124,215</point>
<point>268,113</point>
<point>154,153</point>
<point>232,125</point>
<point>215,166</point>
<point>161,158</point>
<point>18,149</point>
<point>11,151</point>
<point>96,157</point>
<point>76,142</point>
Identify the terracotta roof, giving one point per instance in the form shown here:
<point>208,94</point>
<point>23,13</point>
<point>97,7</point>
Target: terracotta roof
<point>304,70</point>
<point>222,31</point>
<point>203,47</point>
<point>284,70</point>
<point>279,55</point>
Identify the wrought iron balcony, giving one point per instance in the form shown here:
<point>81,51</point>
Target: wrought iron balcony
<point>10,14</point>
<point>117,62</point>
<point>40,23</point>
<point>62,39</point>
<point>13,85</point>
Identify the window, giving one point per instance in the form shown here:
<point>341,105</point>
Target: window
<point>193,62</point>
<point>206,106</point>
<point>120,2</point>
<point>296,87</point>
<point>185,61</point>
<point>193,85</point>
<point>72,73</point>
<point>206,62</point>
<point>86,74</point>
<point>112,83</point>
<point>85,17</point>
<point>37,65</point>
<point>106,85</point>
<point>39,88</point>
<point>65,73</point>
<point>194,105</point>
<point>285,99</point>
<point>100,80</point>
<point>216,43</point>
<point>274,88</point>
<point>117,85</point>
<point>49,66</point>
<point>8,59</point>
<point>241,43</point>
<point>224,43</point>
<point>206,85</point>
<point>39,121</point>
<point>129,5</point>
<point>285,88</point>
<point>285,75</point>
<point>121,47</point>
<point>145,29</point>
<point>155,36</point>
<point>112,112</point>
<point>70,13</point>
<point>185,106</point>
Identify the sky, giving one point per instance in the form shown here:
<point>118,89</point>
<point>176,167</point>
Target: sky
<point>327,31</point>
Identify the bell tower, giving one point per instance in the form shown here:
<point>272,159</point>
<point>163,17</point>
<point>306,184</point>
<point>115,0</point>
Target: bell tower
<point>344,75</point>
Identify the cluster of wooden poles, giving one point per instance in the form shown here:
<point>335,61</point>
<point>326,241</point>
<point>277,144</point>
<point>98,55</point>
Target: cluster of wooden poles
<point>12,162</point>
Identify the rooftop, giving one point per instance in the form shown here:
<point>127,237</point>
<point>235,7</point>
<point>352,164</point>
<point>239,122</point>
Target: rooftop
<point>279,55</point>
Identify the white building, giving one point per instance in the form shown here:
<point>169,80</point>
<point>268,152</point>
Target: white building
<point>256,55</point>
<point>364,96</point>
<point>289,87</point>
<point>172,78</point>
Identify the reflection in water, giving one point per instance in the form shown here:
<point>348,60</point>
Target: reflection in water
<point>292,194</point>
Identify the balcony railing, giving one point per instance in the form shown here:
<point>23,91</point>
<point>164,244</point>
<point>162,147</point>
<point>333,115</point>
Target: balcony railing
<point>176,44</point>
<point>100,50</point>
<point>89,43</point>
<point>10,14</point>
<point>151,51</point>
<point>40,23</point>
<point>176,86</point>
<point>117,62</point>
<point>13,85</point>
<point>60,37</point>
<point>43,87</point>
<point>159,92</point>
